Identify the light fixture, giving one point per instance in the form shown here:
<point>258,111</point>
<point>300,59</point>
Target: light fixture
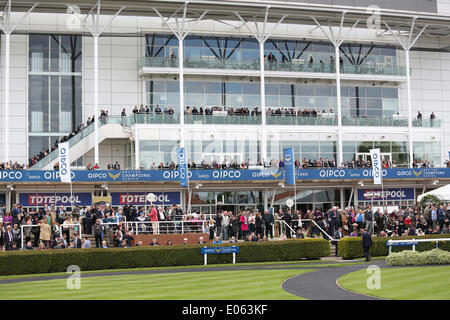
<point>361,183</point>
<point>10,186</point>
<point>104,186</point>
<point>435,182</point>
<point>281,184</point>
<point>198,185</point>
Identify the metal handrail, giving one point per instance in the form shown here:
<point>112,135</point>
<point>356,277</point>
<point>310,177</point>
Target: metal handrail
<point>134,225</point>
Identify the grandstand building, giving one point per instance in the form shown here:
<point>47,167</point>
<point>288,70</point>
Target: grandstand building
<point>331,78</point>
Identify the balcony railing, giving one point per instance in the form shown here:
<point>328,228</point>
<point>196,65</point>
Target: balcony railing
<point>208,62</point>
<point>157,62</point>
<point>301,121</point>
<point>213,63</point>
<point>374,122</point>
<point>427,123</point>
<point>225,119</point>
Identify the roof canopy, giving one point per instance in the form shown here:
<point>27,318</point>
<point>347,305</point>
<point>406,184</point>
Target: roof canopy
<point>297,13</point>
<point>442,193</point>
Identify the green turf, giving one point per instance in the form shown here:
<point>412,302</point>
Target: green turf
<point>211,285</point>
<point>417,283</point>
<point>246,264</point>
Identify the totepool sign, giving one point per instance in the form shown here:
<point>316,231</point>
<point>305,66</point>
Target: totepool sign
<point>56,199</point>
<point>389,194</point>
<point>140,198</point>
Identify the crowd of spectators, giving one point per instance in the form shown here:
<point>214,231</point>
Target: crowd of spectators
<point>413,221</point>
<point>58,228</point>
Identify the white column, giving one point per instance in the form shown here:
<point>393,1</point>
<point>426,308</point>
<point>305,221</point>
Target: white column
<point>342,198</point>
<point>137,159</point>
<point>96,160</point>
<point>181,78</point>
<point>408,89</point>
<point>6,79</point>
<point>263,103</point>
<point>339,107</point>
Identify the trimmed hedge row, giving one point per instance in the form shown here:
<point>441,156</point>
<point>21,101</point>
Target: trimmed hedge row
<point>350,248</point>
<point>28,262</point>
<point>409,257</point>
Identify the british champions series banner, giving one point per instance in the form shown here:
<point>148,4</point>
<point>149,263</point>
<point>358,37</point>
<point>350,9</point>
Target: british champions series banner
<point>288,155</point>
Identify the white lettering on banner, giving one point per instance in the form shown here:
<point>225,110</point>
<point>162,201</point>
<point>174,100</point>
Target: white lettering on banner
<point>376,165</point>
<point>54,175</point>
<point>404,173</point>
<point>332,173</point>
<point>11,175</point>
<point>173,174</point>
<point>46,199</point>
<point>387,194</point>
<point>97,175</point>
<point>226,174</point>
<point>182,169</point>
<point>64,162</point>
<point>141,198</point>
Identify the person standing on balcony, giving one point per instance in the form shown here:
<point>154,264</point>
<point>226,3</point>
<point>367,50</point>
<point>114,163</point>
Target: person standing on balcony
<point>419,115</point>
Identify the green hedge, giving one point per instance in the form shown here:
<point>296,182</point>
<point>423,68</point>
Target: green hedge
<point>350,248</point>
<point>409,257</point>
<point>28,262</point>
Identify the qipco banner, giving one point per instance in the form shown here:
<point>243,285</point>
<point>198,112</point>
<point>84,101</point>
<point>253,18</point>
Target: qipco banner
<point>376,165</point>
<point>141,199</point>
<point>389,194</point>
<point>64,162</point>
<point>182,167</point>
<point>56,199</point>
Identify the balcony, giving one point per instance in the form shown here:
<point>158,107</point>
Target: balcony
<point>157,62</point>
<point>150,118</point>
<point>208,62</point>
<point>301,121</point>
<point>374,122</point>
<point>427,123</point>
<point>297,65</point>
<point>222,119</point>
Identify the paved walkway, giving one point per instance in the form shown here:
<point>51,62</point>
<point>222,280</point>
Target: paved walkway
<point>321,284</point>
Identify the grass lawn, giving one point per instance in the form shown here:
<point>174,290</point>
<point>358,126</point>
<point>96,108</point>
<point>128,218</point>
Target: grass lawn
<point>417,283</point>
<point>211,285</point>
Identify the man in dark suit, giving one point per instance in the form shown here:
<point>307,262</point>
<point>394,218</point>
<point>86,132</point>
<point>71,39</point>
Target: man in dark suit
<point>9,238</point>
<point>76,241</point>
<point>366,243</point>
<point>336,237</point>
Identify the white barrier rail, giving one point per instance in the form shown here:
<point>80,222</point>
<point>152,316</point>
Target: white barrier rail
<point>166,227</point>
<point>413,242</point>
<point>70,226</point>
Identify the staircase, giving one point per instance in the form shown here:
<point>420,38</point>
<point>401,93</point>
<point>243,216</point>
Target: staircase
<point>84,141</point>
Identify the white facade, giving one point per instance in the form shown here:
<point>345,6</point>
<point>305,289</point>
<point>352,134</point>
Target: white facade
<point>121,86</point>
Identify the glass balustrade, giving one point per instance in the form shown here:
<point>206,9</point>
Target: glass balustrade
<point>211,62</point>
<point>427,123</point>
<point>222,119</point>
<point>374,122</point>
<point>157,62</point>
<point>301,121</point>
